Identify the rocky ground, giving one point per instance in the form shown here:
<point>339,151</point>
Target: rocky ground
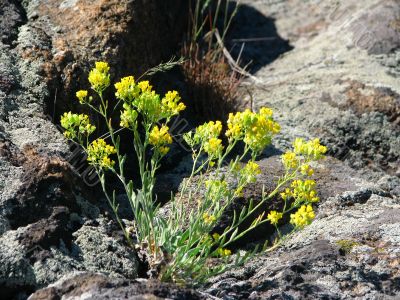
<point>330,69</point>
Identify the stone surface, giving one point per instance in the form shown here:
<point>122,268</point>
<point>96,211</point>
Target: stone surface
<point>340,82</point>
<point>349,252</point>
<point>52,222</point>
<point>97,286</point>
<point>66,37</point>
<point>12,16</point>
<point>332,177</point>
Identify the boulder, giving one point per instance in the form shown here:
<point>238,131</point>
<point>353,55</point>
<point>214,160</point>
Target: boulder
<point>66,37</point>
<point>339,82</point>
<point>97,286</point>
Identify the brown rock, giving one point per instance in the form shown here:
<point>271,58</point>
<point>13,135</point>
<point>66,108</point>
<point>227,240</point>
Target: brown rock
<point>131,35</point>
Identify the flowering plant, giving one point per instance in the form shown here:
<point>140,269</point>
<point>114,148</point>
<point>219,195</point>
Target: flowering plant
<point>181,246</point>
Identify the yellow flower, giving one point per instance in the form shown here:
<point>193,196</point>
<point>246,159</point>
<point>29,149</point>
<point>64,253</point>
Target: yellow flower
<point>148,103</point>
<point>128,116</point>
<point>234,131</point>
<point>81,95</point>
<point>207,131</point>
<point>234,123</point>
<point>99,81</point>
<point>306,170</point>
<point>304,191</point>
<point>311,149</point>
<point>145,86</point>
<point>213,148</point>
<point>274,217</point>
<point>171,105</point>
<point>127,90</point>
<point>99,77</point>
<point>163,150</point>
<point>102,67</point>
<point>256,129</point>
<point>250,171</point>
<point>159,138</point>
<point>266,112</point>
<point>208,219</point>
<point>290,160</point>
<point>223,252</point>
<point>286,194</point>
<point>98,154</point>
<point>253,168</point>
<point>76,125</point>
<point>303,216</point>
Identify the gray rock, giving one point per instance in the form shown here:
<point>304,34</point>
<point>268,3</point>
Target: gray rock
<point>97,286</point>
<point>44,202</point>
<point>12,16</point>
<point>329,86</point>
<point>102,253</point>
<point>346,253</point>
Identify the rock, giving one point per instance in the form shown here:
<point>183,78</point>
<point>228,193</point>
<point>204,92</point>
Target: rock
<point>103,253</point>
<point>98,286</point>
<point>332,177</point>
<point>346,253</point>
<point>66,37</point>
<point>333,86</point>
<point>50,221</point>
<point>36,255</point>
<point>12,16</point>
<point>378,29</point>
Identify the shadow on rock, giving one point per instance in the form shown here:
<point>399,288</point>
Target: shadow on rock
<point>254,39</point>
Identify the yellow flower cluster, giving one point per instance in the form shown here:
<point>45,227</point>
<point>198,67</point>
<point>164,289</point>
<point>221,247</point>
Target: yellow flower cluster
<point>207,131</point>
<point>141,96</point>
<point>223,252</point>
<point>145,86</point>
<point>274,217</point>
<point>127,90</point>
<point>128,116</point>
<point>102,67</point>
<point>99,152</point>
<point>149,104</point>
<point>250,171</point>
<point>312,149</point>
<point>213,147</point>
<point>302,191</point>
<point>99,77</point>
<point>208,219</point>
<point>76,125</point>
<point>207,135</point>
<point>256,129</point>
<point>306,170</point>
<point>81,95</point>
<point>159,138</point>
<point>171,105</point>
<point>290,160</point>
<point>304,216</point>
